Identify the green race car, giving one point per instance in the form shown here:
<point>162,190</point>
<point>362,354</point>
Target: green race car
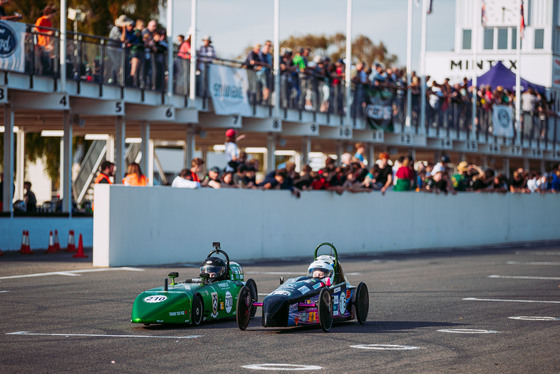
<point>212,296</point>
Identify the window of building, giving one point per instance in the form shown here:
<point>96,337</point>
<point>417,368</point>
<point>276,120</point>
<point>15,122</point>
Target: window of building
<point>489,38</point>
<point>539,38</point>
<point>502,38</point>
<point>514,38</point>
<point>467,39</point>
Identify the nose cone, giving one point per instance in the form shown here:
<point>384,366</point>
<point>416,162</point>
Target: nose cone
<point>275,311</point>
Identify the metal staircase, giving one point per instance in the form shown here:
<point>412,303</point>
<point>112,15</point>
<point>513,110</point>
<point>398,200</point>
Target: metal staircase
<point>90,164</point>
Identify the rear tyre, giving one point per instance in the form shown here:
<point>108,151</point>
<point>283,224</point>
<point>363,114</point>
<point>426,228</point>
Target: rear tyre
<point>197,310</point>
<point>254,295</point>
<point>244,307</point>
<point>361,303</point>
<point>325,309</point>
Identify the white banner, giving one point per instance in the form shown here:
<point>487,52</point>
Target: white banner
<point>12,46</point>
<point>502,121</point>
<point>228,89</point>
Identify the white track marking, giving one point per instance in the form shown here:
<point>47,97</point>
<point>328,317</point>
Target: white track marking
<point>69,273</point>
<point>4,291</point>
<point>385,347</point>
<point>513,301</point>
<point>281,367</point>
<point>469,331</point>
<point>533,263</point>
<point>535,318</point>
<point>522,277</point>
<point>539,253</point>
<point>285,273</point>
<point>27,333</point>
<point>263,294</point>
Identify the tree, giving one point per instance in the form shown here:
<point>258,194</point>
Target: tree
<point>334,46</point>
<point>100,14</point>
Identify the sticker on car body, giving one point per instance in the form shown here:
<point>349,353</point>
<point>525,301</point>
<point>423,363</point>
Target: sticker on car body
<point>155,299</point>
<point>303,289</point>
<point>229,302</point>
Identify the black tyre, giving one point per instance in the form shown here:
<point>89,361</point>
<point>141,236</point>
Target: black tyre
<point>254,295</point>
<point>361,303</point>
<point>244,307</point>
<point>197,310</point>
<point>325,309</point>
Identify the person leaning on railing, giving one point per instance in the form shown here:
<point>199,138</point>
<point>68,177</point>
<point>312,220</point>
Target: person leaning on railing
<point>4,16</point>
<point>44,46</point>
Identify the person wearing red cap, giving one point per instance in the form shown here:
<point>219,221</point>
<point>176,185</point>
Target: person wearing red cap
<point>232,151</point>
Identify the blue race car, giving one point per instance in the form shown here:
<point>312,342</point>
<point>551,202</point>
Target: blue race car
<point>322,297</point>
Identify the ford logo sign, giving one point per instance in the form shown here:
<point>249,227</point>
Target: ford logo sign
<point>8,40</point>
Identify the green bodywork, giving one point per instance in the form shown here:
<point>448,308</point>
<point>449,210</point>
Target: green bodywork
<point>175,305</point>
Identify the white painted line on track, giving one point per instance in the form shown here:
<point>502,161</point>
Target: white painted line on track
<point>533,263</point>
<point>4,291</point>
<point>385,347</point>
<point>513,301</point>
<point>263,294</point>
<point>281,367</point>
<point>70,273</point>
<point>469,331</point>
<point>535,318</point>
<point>538,253</point>
<point>285,273</point>
<point>522,277</point>
<point>27,333</point>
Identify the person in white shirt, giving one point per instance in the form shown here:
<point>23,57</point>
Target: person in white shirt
<point>184,180</point>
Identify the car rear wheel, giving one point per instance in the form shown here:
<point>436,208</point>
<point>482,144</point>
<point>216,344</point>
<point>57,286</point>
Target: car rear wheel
<point>254,295</point>
<point>244,307</point>
<point>197,310</point>
<point>361,303</point>
<point>325,309</point>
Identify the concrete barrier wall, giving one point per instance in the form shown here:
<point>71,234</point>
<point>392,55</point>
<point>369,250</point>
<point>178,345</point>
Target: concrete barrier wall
<point>39,227</point>
<point>162,225</point>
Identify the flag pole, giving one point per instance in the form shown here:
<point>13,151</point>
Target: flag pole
<point>423,67</point>
<point>518,73</point>
<point>475,65</point>
<point>409,66</point>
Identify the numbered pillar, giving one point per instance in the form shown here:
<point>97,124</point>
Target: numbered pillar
<point>66,182</point>
<point>370,155</point>
<point>305,149</point>
<point>20,165</point>
<point>271,153</point>
<point>526,164</point>
<point>120,149</point>
<point>190,145</point>
<point>506,167</point>
<point>8,193</point>
<point>145,149</point>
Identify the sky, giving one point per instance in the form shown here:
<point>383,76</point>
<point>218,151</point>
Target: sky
<point>236,24</point>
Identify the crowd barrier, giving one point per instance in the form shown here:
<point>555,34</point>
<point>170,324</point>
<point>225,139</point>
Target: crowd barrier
<point>150,226</point>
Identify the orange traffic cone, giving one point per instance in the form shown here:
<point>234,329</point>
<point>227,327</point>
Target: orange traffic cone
<point>25,247</point>
<point>56,242</point>
<point>80,249</point>
<point>51,248</point>
<point>71,242</point>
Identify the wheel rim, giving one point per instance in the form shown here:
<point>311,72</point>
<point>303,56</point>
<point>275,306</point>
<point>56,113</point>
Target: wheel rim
<point>197,311</point>
<point>362,303</point>
<point>243,308</point>
<point>325,310</point>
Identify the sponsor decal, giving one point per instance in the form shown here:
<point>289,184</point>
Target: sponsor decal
<point>312,317</point>
<point>296,320</point>
<point>281,292</point>
<point>180,313</point>
<point>293,308</point>
<point>318,285</point>
<point>229,302</point>
<point>223,285</point>
<point>155,299</point>
<point>342,305</point>
<point>214,304</point>
<point>336,290</point>
<point>221,306</point>
<point>8,40</point>
<point>348,294</point>
<point>303,289</point>
<point>335,299</point>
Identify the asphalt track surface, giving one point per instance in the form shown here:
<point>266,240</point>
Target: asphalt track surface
<point>477,311</point>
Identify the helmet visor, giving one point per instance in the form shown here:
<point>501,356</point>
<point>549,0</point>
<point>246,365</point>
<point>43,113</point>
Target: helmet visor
<point>319,273</point>
<point>211,270</point>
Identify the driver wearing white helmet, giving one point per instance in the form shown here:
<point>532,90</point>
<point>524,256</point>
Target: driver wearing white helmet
<point>321,270</point>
